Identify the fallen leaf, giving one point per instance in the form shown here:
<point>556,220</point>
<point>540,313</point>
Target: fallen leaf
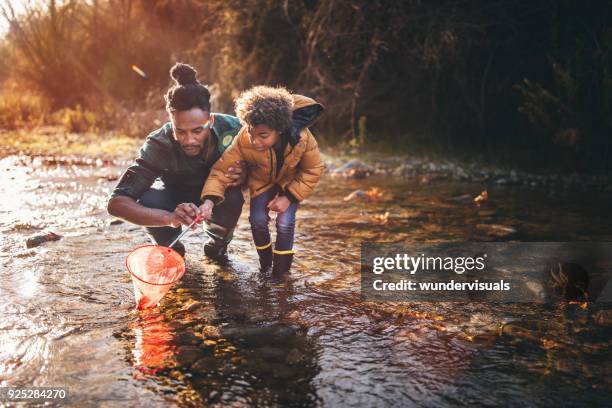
<point>373,194</point>
<point>381,218</point>
<point>481,198</point>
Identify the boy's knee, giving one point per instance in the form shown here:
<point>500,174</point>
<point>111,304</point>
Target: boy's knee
<point>285,225</point>
<point>259,219</point>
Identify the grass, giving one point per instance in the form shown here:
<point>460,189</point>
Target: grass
<point>50,141</point>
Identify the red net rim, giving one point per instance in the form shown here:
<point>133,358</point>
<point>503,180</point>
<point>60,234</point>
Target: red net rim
<point>151,283</point>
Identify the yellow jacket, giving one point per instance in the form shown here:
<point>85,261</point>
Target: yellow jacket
<point>300,172</point>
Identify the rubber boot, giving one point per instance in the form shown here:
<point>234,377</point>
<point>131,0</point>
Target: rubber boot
<point>281,264</point>
<point>265,258</point>
<point>218,238</point>
<point>216,253</point>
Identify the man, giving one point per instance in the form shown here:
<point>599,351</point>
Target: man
<point>179,155</point>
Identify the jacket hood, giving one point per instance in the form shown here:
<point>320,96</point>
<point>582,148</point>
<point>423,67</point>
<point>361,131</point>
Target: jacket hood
<point>305,112</point>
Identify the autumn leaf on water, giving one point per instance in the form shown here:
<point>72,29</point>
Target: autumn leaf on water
<point>373,194</point>
<point>549,344</point>
<point>481,198</point>
<point>381,218</point>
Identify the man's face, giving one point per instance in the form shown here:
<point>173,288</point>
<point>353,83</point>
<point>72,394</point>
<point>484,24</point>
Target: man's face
<point>262,137</point>
<point>191,129</point>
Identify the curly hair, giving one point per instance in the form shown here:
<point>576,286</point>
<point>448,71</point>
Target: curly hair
<point>187,92</point>
<point>265,105</point>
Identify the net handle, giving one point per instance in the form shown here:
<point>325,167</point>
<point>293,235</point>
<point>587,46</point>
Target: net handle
<point>195,221</point>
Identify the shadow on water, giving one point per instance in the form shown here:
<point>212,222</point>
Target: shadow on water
<point>227,335</point>
<point>222,336</point>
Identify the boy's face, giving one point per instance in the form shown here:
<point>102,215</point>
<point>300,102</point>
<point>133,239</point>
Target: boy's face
<point>262,137</point>
<point>191,129</point>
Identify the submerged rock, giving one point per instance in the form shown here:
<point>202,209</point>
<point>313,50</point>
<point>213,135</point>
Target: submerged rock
<point>272,354</point>
<point>261,335</point>
<point>204,364</point>
<point>211,332</point>
<point>187,355</point>
<point>355,195</point>
<point>354,169</point>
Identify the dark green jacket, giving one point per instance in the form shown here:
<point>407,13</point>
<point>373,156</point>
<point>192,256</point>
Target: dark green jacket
<point>161,157</point>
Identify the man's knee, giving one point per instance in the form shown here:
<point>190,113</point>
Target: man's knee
<point>234,198</point>
<point>158,198</point>
<point>228,212</point>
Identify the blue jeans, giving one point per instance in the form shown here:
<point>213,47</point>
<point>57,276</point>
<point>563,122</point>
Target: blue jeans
<point>260,218</point>
<point>219,228</point>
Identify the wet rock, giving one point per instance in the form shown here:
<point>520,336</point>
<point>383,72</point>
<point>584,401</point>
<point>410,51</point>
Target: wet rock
<point>358,173</point>
<point>280,370</point>
<point>354,169</point>
<point>204,364</point>
<point>38,240</point>
<point>294,357</point>
<point>461,174</point>
<point>187,355</point>
<point>261,335</point>
<point>176,375</point>
<point>186,339</point>
<point>355,195</point>
<point>116,221</point>
<point>271,354</point>
<point>190,306</point>
<point>209,344</point>
<point>213,396</point>
<point>211,332</point>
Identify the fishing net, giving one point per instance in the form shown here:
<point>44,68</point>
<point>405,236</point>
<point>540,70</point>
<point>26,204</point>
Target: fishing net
<point>154,270</point>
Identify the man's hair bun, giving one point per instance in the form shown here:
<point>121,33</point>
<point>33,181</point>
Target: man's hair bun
<point>183,74</point>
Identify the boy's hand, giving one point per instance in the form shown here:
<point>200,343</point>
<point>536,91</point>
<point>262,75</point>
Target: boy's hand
<point>237,173</point>
<point>279,204</point>
<point>205,210</point>
<point>183,214</point>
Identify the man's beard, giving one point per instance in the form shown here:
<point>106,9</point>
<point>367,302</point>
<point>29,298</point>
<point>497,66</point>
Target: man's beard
<point>192,150</point>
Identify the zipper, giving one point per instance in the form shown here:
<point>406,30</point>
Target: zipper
<point>272,165</point>
<point>271,172</point>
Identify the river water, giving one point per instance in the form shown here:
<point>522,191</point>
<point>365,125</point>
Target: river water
<point>227,335</point>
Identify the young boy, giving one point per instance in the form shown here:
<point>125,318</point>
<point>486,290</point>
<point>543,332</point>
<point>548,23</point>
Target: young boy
<point>284,167</point>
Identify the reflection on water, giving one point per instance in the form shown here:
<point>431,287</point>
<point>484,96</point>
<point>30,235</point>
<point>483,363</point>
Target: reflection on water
<point>228,335</point>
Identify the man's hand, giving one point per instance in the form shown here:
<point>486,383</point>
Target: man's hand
<point>183,214</point>
<point>237,173</point>
<point>279,204</point>
<point>205,210</point>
